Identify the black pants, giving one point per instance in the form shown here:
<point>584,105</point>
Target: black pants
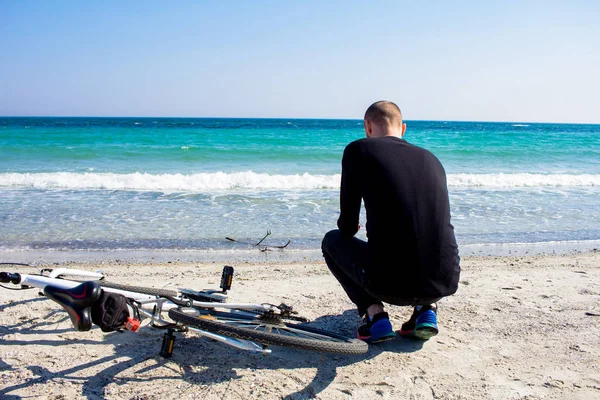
<point>348,259</point>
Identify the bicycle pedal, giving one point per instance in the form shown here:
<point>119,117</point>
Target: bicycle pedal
<point>226,278</point>
<point>168,343</point>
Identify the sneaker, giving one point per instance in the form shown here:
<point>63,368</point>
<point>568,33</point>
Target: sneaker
<point>377,330</point>
<point>422,324</point>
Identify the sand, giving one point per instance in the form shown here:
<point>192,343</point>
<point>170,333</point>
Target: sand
<point>518,328</point>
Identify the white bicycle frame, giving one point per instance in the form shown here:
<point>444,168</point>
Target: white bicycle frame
<point>153,306</point>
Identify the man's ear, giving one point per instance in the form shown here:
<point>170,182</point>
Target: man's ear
<point>368,128</point>
<point>403,129</point>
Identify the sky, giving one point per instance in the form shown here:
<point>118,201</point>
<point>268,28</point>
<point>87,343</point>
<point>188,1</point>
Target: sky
<point>534,61</point>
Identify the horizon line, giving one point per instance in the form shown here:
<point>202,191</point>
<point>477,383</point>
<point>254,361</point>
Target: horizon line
<point>296,118</point>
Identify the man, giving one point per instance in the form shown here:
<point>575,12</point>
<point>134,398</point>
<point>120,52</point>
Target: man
<point>411,257</point>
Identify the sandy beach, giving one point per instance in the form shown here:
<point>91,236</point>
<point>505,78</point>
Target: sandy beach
<point>518,328</point>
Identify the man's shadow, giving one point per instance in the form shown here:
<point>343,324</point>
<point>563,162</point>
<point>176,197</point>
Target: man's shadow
<point>201,361</point>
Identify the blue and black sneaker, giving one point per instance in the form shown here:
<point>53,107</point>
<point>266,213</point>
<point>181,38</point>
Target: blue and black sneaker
<point>422,323</point>
<point>376,330</point>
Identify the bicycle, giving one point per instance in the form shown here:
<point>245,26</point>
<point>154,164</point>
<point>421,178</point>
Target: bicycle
<point>246,326</point>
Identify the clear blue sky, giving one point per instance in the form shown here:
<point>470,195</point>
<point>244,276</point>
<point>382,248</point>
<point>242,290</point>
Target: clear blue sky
<point>441,60</point>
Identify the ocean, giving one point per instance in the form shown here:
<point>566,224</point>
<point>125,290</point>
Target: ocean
<point>179,186</point>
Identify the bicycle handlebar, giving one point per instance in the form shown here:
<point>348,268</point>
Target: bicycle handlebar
<point>7,277</point>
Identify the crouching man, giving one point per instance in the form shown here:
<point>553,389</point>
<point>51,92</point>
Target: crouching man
<point>411,257</point>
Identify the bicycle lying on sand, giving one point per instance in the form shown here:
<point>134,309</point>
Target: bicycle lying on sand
<point>246,326</point>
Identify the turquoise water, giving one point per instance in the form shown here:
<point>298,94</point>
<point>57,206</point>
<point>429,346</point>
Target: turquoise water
<point>159,183</point>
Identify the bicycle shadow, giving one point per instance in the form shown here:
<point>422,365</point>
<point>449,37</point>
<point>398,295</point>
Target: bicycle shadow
<point>31,326</point>
<point>223,368</point>
<point>201,362</point>
<point>20,302</point>
<point>128,345</point>
<point>48,331</point>
<point>4,366</point>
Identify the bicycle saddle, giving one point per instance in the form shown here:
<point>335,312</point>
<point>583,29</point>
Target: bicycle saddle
<point>77,301</point>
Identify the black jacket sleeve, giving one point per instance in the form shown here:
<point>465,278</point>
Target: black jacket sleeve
<point>350,195</point>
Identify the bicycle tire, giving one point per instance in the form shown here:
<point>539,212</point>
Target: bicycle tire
<point>140,289</point>
<point>246,327</point>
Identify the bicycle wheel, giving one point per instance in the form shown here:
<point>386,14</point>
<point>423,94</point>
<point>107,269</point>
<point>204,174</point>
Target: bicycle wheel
<point>248,327</point>
<point>139,289</point>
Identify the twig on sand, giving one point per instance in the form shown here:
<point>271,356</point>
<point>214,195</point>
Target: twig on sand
<point>264,237</point>
<point>265,247</point>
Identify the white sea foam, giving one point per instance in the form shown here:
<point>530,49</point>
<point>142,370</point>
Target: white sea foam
<point>523,180</point>
<point>201,182</point>
<point>169,182</point>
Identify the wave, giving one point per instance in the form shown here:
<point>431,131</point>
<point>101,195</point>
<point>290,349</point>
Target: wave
<point>202,182</point>
<point>169,182</point>
<point>523,180</point>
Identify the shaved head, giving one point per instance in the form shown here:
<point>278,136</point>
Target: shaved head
<point>384,114</point>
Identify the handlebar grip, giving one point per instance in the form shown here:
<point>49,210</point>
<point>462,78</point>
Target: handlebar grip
<point>7,277</point>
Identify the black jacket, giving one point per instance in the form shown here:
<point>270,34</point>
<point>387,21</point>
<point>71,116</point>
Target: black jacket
<point>412,248</point>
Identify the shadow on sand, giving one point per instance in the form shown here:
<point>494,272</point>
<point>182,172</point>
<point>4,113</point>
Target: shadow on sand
<point>198,361</point>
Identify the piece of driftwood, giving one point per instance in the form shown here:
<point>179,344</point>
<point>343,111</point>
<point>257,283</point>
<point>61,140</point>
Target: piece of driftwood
<point>264,247</point>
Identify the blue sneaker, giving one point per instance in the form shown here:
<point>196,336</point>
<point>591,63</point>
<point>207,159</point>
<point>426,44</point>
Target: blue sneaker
<point>379,329</point>
<point>422,324</point>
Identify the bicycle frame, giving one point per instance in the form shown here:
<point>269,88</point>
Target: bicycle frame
<point>152,306</point>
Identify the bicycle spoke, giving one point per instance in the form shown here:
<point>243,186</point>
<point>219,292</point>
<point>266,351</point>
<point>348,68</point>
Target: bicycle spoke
<point>282,330</point>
